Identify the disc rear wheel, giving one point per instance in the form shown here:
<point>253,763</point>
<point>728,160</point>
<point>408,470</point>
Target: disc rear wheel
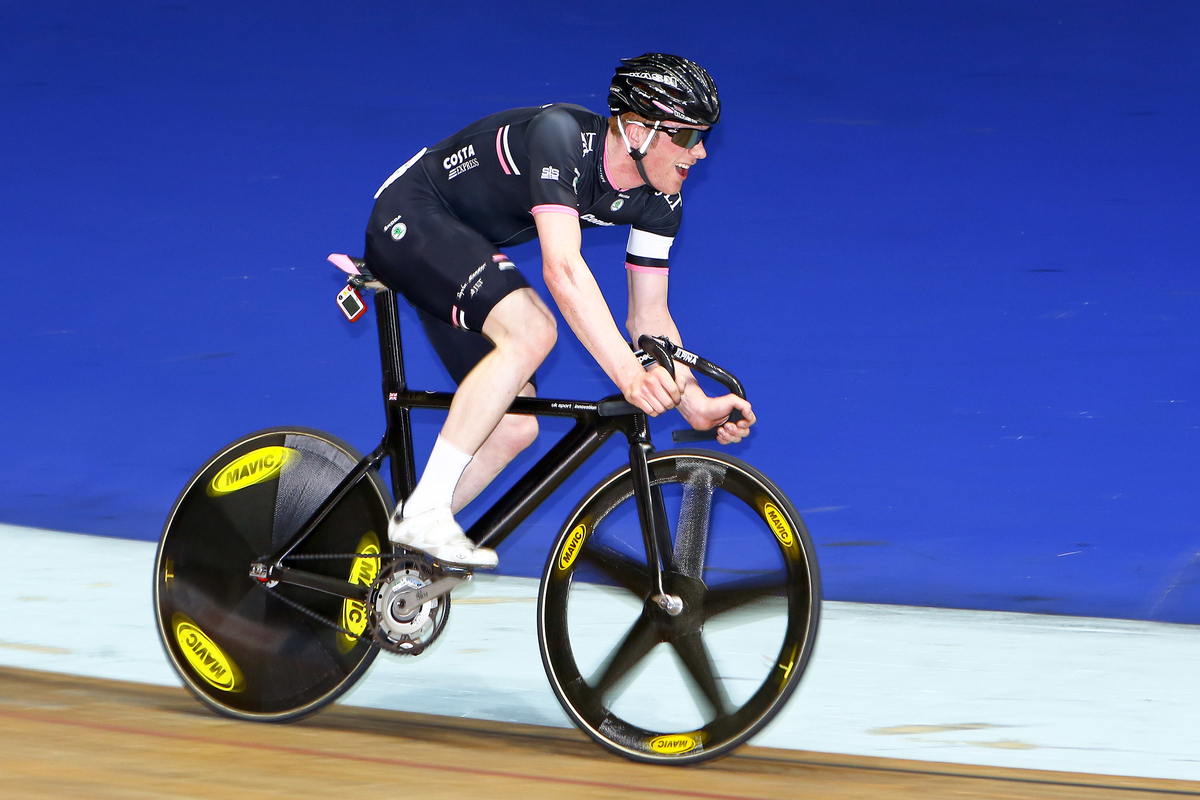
<point>253,650</point>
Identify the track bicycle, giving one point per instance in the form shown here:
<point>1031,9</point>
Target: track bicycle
<point>275,585</point>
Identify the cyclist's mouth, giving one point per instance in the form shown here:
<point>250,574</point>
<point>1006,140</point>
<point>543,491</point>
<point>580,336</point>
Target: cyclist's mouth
<point>682,171</point>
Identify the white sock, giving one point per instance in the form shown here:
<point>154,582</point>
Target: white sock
<point>442,472</point>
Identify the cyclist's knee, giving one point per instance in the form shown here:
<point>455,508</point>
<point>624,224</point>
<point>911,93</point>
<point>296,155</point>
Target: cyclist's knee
<point>543,332</point>
<point>521,322</point>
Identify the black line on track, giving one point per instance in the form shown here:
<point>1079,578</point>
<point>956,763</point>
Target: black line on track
<point>954,774</point>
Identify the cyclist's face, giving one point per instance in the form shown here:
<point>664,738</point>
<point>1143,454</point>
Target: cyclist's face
<point>667,163</point>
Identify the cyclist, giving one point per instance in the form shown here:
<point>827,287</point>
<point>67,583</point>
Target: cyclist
<point>436,233</point>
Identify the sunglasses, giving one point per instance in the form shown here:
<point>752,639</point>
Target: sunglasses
<point>687,138</point>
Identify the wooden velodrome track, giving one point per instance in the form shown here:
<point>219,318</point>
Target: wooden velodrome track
<point>65,736</point>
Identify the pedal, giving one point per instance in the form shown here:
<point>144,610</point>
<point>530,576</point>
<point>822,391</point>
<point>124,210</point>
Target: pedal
<point>434,564</point>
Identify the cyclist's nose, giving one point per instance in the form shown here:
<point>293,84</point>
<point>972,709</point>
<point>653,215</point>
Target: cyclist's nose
<point>698,150</point>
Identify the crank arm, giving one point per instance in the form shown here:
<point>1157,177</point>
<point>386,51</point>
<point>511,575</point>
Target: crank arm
<point>421,595</point>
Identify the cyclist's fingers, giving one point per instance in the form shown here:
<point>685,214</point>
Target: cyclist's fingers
<point>668,385</point>
<point>654,406</point>
<point>728,434</point>
<point>657,393</point>
<point>639,394</point>
<point>664,396</point>
<point>744,407</point>
<point>644,399</point>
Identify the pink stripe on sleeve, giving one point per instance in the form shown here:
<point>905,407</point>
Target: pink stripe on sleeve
<point>651,270</point>
<point>553,208</point>
<point>500,152</point>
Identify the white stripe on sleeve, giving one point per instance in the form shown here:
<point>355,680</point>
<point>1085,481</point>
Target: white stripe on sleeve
<point>648,245</point>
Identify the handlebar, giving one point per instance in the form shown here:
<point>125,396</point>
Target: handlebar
<point>664,352</point>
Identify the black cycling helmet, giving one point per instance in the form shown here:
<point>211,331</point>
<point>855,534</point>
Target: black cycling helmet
<point>665,88</point>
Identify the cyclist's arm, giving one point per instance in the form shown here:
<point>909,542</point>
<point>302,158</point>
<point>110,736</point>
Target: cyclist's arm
<point>649,314</point>
<point>582,304</point>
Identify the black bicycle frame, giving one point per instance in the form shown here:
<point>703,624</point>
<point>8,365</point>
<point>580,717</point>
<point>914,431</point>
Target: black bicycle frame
<point>594,423</point>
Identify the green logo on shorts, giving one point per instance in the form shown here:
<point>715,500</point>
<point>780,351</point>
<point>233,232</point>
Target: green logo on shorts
<point>398,231</point>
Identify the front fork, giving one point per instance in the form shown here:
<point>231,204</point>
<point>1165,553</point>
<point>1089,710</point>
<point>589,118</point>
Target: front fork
<point>652,513</point>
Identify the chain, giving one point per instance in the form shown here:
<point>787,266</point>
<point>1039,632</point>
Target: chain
<point>313,614</point>
<point>318,617</point>
<point>314,556</point>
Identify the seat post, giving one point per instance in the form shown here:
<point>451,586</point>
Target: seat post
<point>398,438</point>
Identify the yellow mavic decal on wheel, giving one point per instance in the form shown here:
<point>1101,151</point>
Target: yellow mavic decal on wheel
<point>673,744</point>
<point>254,467</point>
<point>208,660</point>
<point>789,666</point>
<point>779,525</point>
<point>362,572</point>
<point>572,546</point>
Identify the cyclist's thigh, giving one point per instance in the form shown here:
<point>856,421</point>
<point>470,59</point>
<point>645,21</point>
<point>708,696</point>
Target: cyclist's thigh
<point>441,266</point>
<point>459,350</point>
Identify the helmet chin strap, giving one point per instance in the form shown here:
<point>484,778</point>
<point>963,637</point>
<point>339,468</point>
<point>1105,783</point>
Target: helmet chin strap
<point>639,153</point>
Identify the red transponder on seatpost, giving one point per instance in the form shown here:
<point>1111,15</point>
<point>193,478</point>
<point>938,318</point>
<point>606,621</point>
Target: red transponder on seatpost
<point>351,303</point>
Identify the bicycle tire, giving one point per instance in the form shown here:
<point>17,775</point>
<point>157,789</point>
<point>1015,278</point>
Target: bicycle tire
<point>596,578</point>
<point>239,645</point>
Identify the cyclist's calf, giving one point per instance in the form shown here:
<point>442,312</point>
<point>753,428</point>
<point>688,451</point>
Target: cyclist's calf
<point>513,434</point>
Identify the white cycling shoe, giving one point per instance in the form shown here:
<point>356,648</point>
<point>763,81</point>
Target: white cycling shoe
<point>435,533</point>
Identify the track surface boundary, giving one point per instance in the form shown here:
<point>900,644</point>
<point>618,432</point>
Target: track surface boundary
<point>351,748</point>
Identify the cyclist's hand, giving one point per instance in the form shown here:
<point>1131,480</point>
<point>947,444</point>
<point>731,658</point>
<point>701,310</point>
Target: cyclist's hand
<point>653,392</point>
<point>704,413</point>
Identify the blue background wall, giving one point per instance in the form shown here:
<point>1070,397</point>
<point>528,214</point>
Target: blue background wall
<point>950,247</point>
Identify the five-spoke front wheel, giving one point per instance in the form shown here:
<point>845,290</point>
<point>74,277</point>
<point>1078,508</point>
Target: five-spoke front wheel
<point>682,687</point>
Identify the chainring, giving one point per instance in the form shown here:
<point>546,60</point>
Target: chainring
<point>405,631</point>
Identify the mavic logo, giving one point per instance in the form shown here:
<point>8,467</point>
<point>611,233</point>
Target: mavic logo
<point>362,572</point>
<point>571,546</point>
<point>253,468</point>
<point>207,659</point>
<point>779,525</point>
<point>676,743</point>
